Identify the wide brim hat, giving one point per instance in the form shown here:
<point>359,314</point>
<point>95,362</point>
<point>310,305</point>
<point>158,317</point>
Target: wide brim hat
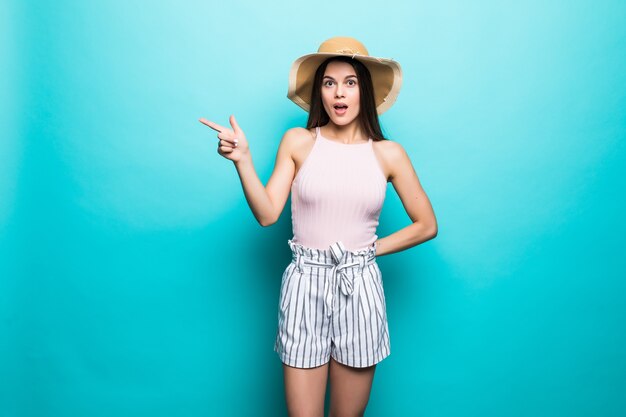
<point>386,73</point>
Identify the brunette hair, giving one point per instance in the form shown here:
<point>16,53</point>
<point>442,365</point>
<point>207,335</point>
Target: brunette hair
<point>368,117</point>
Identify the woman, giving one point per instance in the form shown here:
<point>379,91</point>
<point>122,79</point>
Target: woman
<point>332,316</point>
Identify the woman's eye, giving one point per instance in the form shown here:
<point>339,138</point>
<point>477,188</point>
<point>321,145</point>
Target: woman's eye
<point>328,83</point>
<point>351,82</point>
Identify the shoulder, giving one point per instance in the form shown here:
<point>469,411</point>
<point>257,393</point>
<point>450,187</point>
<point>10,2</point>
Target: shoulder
<point>297,136</point>
<point>392,156</point>
<point>297,139</point>
<point>295,144</point>
<point>298,133</point>
<point>389,148</point>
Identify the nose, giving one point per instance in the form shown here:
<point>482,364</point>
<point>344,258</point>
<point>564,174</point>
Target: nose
<point>339,91</point>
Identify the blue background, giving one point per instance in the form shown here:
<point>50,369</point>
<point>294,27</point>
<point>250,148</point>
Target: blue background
<point>135,280</point>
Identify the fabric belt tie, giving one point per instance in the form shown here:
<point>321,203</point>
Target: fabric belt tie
<point>339,280</point>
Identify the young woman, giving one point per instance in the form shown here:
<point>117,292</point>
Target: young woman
<point>332,319</point>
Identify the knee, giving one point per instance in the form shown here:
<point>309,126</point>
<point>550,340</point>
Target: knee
<point>304,412</point>
<point>334,412</point>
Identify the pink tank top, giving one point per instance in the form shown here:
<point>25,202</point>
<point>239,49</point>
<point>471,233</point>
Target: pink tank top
<point>337,195</point>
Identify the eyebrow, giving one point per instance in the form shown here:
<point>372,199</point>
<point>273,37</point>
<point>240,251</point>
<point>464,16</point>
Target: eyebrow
<point>347,76</point>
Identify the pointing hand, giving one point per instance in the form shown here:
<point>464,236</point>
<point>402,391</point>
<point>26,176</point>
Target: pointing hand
<point>232,143</point>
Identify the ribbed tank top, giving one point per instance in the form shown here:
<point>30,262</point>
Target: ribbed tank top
<point>337,195</point>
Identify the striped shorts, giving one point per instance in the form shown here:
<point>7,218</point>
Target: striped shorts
<point>332,304</point>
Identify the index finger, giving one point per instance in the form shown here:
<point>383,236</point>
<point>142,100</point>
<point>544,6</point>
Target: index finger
<point>212,125</point>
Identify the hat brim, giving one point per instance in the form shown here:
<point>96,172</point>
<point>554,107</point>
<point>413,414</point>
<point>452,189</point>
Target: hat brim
<point>386,78</point>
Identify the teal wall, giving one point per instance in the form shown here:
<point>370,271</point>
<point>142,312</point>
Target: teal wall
<point>134,280</point>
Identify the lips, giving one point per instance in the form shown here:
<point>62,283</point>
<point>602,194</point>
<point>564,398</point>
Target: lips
<point>340,108</point>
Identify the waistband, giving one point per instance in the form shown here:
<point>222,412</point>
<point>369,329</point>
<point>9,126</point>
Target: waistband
<point>333,254</point>
<point>339,260</point>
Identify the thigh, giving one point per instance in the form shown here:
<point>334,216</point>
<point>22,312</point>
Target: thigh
<point>305,389</point>
<point>349,389</point>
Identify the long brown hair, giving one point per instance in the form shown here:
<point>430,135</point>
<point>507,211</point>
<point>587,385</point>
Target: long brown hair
<point>368,117</point>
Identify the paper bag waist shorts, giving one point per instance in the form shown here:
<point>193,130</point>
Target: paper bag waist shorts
<point>332,304</point>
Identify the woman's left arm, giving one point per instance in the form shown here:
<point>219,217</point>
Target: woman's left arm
<point>415,202</point>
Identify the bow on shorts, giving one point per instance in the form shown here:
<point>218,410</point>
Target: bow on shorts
<point>340,279</point>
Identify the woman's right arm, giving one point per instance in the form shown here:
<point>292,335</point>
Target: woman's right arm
<point>267,202</point>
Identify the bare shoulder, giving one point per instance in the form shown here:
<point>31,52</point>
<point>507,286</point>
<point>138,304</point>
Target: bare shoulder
<point>391,156</point>
<point>297,135</point>
<point>297,143</point>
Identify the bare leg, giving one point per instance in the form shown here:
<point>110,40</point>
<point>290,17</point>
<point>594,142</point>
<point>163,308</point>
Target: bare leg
<point>349,389</point>
<point>305,390</point>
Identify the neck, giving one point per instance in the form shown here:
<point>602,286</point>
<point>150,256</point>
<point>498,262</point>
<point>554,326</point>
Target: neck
<point>348,134</point>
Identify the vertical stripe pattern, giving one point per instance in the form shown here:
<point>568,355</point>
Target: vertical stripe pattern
<point>352,327</point>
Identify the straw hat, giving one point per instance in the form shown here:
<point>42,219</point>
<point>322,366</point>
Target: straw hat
<point>386,73</point>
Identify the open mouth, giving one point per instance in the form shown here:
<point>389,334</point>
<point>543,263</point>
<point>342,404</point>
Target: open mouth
<point>340,108</point>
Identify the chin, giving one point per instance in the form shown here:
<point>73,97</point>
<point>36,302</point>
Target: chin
<point>341,121</point>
